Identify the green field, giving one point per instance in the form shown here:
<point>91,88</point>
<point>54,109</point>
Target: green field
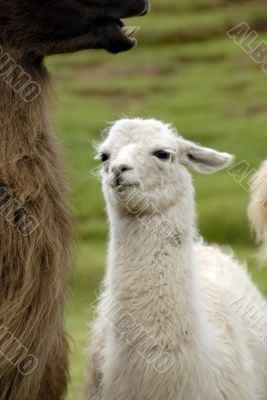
<point>186,71</point>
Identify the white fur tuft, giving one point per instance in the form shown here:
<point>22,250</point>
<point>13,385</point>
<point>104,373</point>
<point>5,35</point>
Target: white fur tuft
<point>257,210</point>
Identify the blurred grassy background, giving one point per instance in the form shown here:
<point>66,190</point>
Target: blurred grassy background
<point>186,71</point>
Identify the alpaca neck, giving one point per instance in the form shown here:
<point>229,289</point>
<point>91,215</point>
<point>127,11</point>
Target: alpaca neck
<point>153,278</point>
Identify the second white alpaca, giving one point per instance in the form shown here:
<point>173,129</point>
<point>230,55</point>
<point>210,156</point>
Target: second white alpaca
<point>172,322</point>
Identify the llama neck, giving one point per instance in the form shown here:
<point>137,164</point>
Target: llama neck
<point>35,228</point>
<point>23,109</point>
<point>153,277</point>
<point>26,131</point>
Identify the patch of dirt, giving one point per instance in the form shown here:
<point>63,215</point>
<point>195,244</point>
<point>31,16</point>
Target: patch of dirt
<point>202,57</point>
<point>104,72</point>
<point>174,37</point>
<point>116,98</point>
<point>112,94</point>
<point>121,95</point>
<point>170,8</point>
<point>256,110</point>
<point>259,25</point>
<point>238,87</point>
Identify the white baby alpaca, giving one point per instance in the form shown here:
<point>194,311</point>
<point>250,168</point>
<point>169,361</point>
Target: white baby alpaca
<point>171,318</point>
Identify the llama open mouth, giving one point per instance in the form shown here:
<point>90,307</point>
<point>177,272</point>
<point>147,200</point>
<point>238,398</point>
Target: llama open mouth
<point>130,31</point>
<point>118,36</point>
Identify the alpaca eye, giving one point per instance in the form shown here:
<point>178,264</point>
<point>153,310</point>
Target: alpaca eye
<point>162,155</point>
<point>104,157</point>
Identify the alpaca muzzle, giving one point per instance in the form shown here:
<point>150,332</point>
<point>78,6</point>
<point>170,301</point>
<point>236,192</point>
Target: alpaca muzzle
<point>117,179</point>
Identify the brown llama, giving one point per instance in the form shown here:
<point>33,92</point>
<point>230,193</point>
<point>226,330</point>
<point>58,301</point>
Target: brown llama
<point>35,220</point>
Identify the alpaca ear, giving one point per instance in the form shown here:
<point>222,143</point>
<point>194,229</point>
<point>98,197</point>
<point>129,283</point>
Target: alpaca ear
<point>203,159</point>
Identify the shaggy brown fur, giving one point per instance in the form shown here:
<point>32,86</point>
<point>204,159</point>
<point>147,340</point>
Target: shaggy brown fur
<point>35,221</point>
<point>33,265</point>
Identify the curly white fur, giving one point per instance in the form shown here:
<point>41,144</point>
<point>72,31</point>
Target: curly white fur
<point>173,318</point>
<point>257,211</point>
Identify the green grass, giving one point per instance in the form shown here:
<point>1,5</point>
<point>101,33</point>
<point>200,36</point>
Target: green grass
<point>185,71</point>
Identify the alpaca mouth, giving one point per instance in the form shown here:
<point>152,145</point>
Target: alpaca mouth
<point>125,187</point>
<point>120,185</point>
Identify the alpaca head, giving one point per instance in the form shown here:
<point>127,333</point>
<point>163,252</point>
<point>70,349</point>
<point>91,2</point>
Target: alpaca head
<point>144,166</point>
<point>59,26</point>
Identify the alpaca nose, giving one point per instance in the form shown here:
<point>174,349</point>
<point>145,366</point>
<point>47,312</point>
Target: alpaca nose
<point>118,170</point>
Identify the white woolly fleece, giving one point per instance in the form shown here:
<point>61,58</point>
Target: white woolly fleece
<point>175,318</point>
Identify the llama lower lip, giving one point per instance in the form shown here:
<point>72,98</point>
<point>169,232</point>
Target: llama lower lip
<point>130,31</point>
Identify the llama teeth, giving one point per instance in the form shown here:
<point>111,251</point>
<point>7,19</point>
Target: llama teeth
<point>130,31</point>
